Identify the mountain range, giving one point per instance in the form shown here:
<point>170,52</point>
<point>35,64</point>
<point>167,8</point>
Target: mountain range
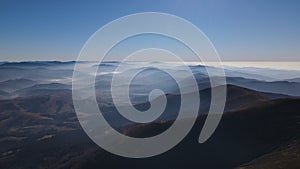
<point>39,127</point>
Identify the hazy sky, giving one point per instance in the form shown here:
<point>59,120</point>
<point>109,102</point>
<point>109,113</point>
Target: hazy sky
<point>241,30</point>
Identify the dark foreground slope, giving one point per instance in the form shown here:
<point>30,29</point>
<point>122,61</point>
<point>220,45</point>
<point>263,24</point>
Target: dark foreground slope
<point>284,157</point>
<point>264,132</point>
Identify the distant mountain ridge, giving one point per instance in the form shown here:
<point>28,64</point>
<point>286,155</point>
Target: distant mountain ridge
<point>16,84</point>
<point>36,63</point>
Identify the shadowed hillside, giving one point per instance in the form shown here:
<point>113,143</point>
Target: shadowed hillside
<point>241,137</point>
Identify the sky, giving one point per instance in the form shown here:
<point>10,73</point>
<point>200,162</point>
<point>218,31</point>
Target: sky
<point>241,30</point>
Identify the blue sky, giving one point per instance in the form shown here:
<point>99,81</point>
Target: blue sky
<point>253,30</point>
